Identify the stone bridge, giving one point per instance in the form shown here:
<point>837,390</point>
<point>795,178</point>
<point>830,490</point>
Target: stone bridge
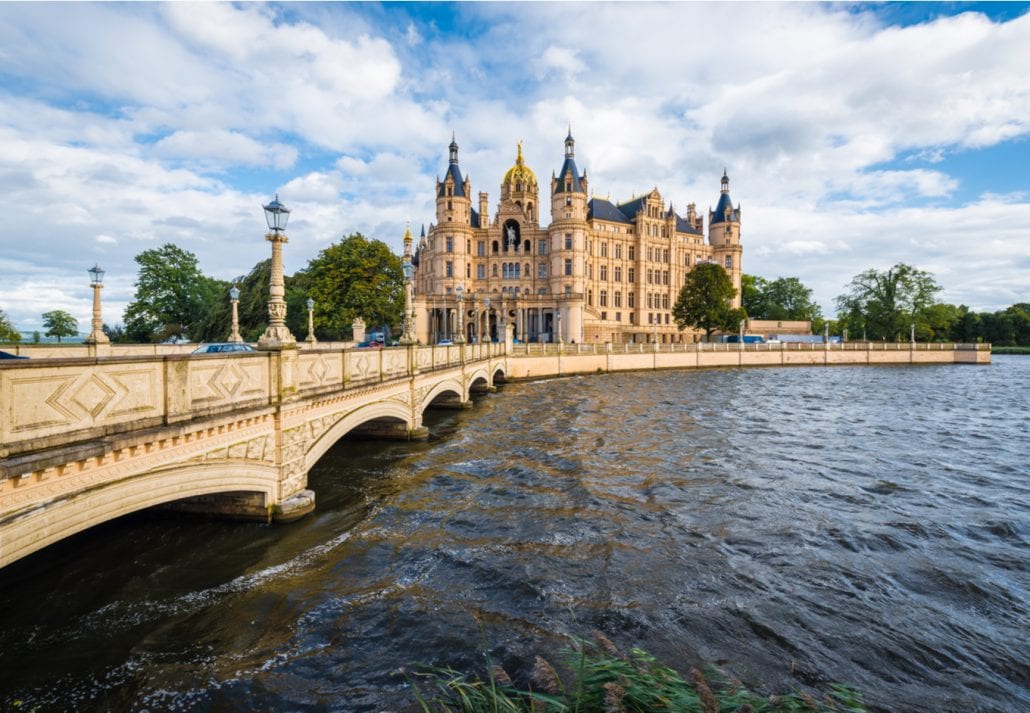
<point>85,440</point>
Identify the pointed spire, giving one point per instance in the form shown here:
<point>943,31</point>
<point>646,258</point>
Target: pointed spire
<point>454,149</point>
<point>423,230</point>
<point>570,144</point>
<point>725,182</point>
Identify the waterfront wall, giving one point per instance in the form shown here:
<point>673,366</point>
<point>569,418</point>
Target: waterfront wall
<point>530,361</point>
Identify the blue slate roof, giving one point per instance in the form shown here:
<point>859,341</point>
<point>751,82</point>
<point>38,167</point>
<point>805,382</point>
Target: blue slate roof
<point>719,214</point>
<point>459,183</point>
<point>568,169</point>
<point>415,257</point>
<point>475,218</point>
<point>682,226</point>
<point>600,209</point>
<point>633,207</point>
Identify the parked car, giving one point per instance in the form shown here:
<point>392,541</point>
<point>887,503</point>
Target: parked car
<point>369,344</point>
<point>445,343</point>
<point>8,355</point>
<point>223,347</point>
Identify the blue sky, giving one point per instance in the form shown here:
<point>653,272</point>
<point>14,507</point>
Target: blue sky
<point>856,135</point>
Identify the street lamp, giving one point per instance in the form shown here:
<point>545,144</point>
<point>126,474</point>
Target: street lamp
<point>234,296</point>
<point>654,321</point>
<point>96,280</point>
<point>409,272</point>
<point>912,333</point>
<point>277,335</point>
<point>558,327</point>
<point>311,322</point>
<point>459,338</point>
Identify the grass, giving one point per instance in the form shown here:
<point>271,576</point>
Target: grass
<point>604,680</point>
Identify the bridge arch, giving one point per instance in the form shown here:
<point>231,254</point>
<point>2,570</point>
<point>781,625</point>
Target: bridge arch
<point>383,410</point>
<point>453,386</point>
<point>479,380</point>
<point>67,516</point>
<point>497,376</point>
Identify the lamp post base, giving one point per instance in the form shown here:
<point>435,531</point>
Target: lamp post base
<point>277,337</point>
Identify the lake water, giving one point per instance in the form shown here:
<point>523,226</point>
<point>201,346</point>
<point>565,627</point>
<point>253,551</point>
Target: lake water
<point>797,526</point>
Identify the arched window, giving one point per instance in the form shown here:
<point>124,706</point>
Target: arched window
<point>516,266</point>
<point>529,210</point>
<point>526,246</point>
<point>495,267</point>
<point>529,270</point>
<point>495,247</point>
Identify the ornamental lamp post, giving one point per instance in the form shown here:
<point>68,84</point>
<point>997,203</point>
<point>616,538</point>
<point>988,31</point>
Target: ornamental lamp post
<point>311,322</point>
<point>96,279</point>
<point>558,326</point>
<point>407,338</point>
<point>459,338</point>
<point>277,335</point>
<point>912,333</point>
<point>234,297</point>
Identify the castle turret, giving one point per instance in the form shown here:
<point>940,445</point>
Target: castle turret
<point>724,235</point>
<point>569,188</point>
<point>520,190</point>
<point>450,240</point>
<point>453,193</point>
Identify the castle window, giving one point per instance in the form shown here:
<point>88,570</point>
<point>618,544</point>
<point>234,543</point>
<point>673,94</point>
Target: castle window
<point>450,205</point>
<point>618,316</point>
<point>618,274</point>
<point>516,270</point>
<point>480,271</point>
<point>618,299</point>
<point>449,269</point>
<point>631,301</point>
<point>568,241</point>
<point>481,248</point>
<point>618,251</point>
<point>494,272</point>
<point>604,273</point>
<point>541,247</point>
<point>568,290</point>
<point>568,266</point>
<point>526,246</point>
<point>450,244</point>
<point>468,270</point>
<point>729,262</point>
<point>450,192</point>
<point>590,298</point>
<point>529,210</point>
<point>665,255</point>
<point>604,315</point>
<point>604,249</point>
<point>650,277</point>
<point>631,274</point>
<point>541,270</point>
<point>468,246</point>
<point>686,260</point>
<point>495,247</point>
<point>650,301</point>
<point>665,301</point>
<point>568,202</point>
<point>529,271</point>
<point>568,186</point>
<point>632,251</point>
<point>650,255</point>
<point>665,277</point>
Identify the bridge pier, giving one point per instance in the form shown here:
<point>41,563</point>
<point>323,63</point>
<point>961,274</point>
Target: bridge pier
<point>450,401</point>
<point>390,431</point>
<point>250,507</point>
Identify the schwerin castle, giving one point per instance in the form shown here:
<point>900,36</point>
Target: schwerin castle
<point>599,272</point>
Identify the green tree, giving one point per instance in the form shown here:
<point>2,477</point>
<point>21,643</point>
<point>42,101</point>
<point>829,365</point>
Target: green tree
<point>752,295</point>
<point>356,277</point>
<point>704,301</point>
<point>885,303</point>
<point>7,331</point>
<point>36,337</point>
<point>787,298</point>
<point>253,306</point>
<point>172,295</point>
<point>59,324</point>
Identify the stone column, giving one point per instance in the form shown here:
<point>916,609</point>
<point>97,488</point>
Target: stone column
<point>277,334</point>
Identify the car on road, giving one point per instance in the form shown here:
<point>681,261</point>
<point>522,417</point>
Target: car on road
<point>220,347</point>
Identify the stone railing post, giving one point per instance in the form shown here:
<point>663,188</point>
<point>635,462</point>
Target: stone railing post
<point>178,395</point>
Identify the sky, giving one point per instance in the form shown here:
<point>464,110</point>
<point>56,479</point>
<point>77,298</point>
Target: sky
<point>855,136</point>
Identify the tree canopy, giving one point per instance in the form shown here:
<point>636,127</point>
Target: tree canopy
<point>173,297</point>
<point>884,303</point>
<point>59,324</point>
<point>704,301</point>
<point>785,298</point>
<point>7,331</point>
<point>356,277</point>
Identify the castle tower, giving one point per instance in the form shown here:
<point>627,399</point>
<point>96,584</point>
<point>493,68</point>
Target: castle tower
<point>450,240</point>
<point>724,235</point>
<point>568,188</point>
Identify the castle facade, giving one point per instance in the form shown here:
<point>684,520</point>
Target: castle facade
<point>598,272</point>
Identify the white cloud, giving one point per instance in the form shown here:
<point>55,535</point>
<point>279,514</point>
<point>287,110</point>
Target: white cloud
<point>224,148</point>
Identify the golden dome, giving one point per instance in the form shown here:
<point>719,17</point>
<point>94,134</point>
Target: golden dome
<point>520,172</point>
